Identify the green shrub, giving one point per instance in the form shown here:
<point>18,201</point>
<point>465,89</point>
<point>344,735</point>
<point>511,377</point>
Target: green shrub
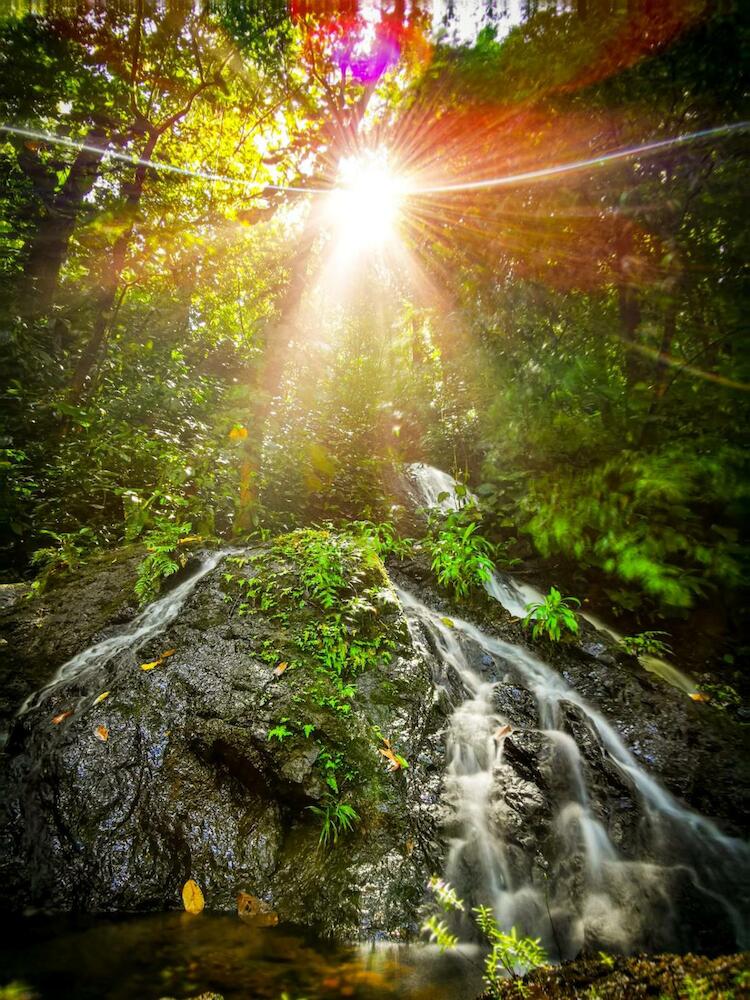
<point>552,616</point>
<point>383,538</point>
<point>461,557</point>
<point>69,550</point>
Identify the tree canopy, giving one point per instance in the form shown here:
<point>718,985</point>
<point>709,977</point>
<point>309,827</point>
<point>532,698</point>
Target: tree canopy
<point>191,338</point>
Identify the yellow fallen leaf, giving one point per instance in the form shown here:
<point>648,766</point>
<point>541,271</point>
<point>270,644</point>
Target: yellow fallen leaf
<point>61,717</point>
<point>699,696</point>
<point>502,732</point>
<point>99,698</point>
<point>255,910</point>
<point>190,539</point>
<point>159,661</point>
<point>448,622</point>
<point>280,669</point>
<point>102,733</point>
<point>192,897</point>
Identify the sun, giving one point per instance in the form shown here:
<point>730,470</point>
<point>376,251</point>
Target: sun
<point>364,207</point>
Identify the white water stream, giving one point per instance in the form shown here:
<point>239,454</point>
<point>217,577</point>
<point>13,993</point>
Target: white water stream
<point>578,887</point>
<point>613,898</point>
<point>515,595</point>
<point>148,623</point>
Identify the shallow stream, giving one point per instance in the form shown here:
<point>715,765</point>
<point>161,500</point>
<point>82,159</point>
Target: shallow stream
<point>178,955</point>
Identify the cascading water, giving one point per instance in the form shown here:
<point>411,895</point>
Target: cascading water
<point>152,620</point>
<point>571,886</point>
<point>436,488</point>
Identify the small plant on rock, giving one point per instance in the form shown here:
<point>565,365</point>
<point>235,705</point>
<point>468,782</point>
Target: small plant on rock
<point>461,557</point>
<point>510,957</point>
<point>280,732</point>
<point>336,818</point>
<point>646,644</point>
<point>552,616</point>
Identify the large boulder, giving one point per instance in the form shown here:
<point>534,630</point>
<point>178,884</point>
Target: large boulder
<point>173,775</point>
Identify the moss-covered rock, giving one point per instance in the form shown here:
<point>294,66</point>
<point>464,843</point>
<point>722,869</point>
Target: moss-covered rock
<point>666,977</point>
<point>177,773</point>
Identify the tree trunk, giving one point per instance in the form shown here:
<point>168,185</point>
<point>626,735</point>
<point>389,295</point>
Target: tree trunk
<point>50,243</point>
<point>111,279</point>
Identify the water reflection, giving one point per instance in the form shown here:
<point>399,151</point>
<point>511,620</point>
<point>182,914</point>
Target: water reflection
<point>176,955</point>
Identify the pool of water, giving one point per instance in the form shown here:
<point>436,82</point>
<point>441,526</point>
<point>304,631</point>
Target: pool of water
<point>179,956</point>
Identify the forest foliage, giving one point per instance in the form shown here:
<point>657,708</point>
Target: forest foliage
<point>574,348</point>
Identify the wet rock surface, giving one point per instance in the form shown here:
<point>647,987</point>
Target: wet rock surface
<point>583,853</point>
<point>187,784</point>
<point>38,634</point>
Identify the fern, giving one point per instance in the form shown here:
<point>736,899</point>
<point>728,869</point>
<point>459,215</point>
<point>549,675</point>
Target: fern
<point>162,560</point>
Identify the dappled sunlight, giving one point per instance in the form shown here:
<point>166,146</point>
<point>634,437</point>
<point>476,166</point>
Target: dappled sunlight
<point>373,498</point>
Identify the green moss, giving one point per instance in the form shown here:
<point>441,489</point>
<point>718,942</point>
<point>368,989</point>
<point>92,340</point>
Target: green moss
<point>315,594</point>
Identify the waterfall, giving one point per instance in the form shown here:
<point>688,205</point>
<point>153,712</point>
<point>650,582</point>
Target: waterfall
<point>430,483</point>
<point>577,887</point>
<point>152,620</point>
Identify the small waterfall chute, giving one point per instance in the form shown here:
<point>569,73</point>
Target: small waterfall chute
<point>148,623</point>
<point>591,888</point>
<point>436,488</point>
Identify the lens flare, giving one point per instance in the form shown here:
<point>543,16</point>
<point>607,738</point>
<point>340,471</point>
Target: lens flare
<point>363,209</point>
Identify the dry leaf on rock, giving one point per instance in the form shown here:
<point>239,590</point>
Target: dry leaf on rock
<point>395,763</point>
<point>158,662</point>
<point>61,717</point>
<point>102,733</point>
<point>192,897</point>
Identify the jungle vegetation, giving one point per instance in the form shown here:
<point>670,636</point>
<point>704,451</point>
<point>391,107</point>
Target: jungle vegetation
<point>190,355</point>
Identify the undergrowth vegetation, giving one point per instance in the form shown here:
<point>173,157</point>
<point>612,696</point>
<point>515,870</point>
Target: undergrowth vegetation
<point>553,616</point>
<point>510,955</point>
<point>322,594</point>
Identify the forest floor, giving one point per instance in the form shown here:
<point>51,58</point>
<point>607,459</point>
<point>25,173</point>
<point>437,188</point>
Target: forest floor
<point>671,977</point>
